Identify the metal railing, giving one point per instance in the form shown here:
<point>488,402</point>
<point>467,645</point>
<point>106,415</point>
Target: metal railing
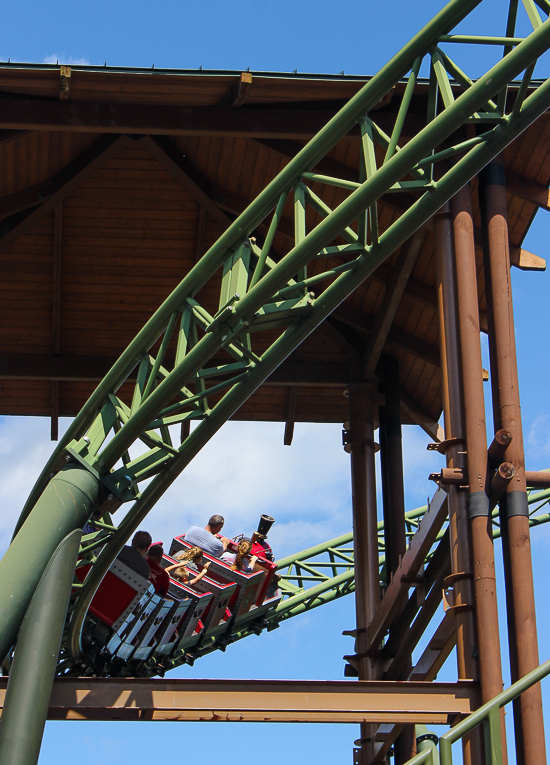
<point>489,716</point>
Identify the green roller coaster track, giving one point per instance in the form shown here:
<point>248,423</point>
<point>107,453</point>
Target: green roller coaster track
<point>122,452</point>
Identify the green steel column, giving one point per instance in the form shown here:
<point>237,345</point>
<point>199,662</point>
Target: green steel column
<point>33,669</point>
<point>64,506</point>
<point>426,741</point>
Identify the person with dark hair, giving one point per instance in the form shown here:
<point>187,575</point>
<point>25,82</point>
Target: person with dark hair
<point>189,569</point>
<point>133,555</point>
<point>209,538</point>
<point>158,577</point>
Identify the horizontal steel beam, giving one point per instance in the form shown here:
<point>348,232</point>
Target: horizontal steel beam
<point>258,700</point>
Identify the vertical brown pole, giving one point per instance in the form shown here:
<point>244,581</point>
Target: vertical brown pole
<point>391,463</point>
<point>490,668</point>
<point>365,535</point>
<point>528,718</point>
<point>459,533</point>
<point>393,495</point>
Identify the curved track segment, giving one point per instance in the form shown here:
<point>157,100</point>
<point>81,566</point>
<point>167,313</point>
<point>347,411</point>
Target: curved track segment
<point>132,439</point>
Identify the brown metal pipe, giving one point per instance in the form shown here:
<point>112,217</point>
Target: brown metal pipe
<point>365,537</point>
<point>528,718</point>
<point>500,481</point>
<point>391,463</point>
<point>449,477</point>
<point>393,497</point>
<point>537,479</point>
<point>453,408</point>
<point>476,440</point>
<point>497,449</point>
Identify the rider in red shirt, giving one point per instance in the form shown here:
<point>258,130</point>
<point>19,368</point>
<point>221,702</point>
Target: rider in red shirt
<point>158,576</point>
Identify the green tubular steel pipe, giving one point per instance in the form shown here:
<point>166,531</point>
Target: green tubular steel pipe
<point>337,127</point>
<point>316,550</point>
<point>65,505</point>
<point>427,742</point>
<point>33,669</point>
<point>482,714</point>
<point>322,593</point>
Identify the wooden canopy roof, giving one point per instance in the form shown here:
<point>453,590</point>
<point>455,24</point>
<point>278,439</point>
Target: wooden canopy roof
<point>113,183</point>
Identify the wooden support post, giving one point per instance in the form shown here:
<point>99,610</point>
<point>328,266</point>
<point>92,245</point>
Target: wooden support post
<point>490,668</point>
<point>391,458</point>
<point>361,446</point>
<point>462,607</point>
<point>393,494</point>
<point>522,632</point>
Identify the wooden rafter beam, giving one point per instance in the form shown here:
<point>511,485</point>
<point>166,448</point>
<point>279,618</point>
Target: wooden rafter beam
<point>413,411</point>
<point>65,368</point>
<point>247,122</point>
<point>344,338</point>
<point>290,415</point>
<point>525,260</point>
<point>25,199</point>
<point>251,121</point>
<point>217,202</point>
<point>172,159</point>
<point>364,323</point>
<point>64,183</point>
<point>238,93</point>
<point>395,288</point>
<point>527,189</point>
<point>9,135</point>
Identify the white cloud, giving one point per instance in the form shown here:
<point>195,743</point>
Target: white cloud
<point>62,58</point>
<point>244,471</point>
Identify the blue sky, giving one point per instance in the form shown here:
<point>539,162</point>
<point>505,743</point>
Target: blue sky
<point>305,487</point>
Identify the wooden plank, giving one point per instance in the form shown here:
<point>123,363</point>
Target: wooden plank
<point>183,171</point>
<point>74,116</point>
<point>61,187</point>
<point>392,298</point>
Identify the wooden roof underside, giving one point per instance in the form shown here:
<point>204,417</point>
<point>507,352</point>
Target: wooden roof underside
<point>111,188</point>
